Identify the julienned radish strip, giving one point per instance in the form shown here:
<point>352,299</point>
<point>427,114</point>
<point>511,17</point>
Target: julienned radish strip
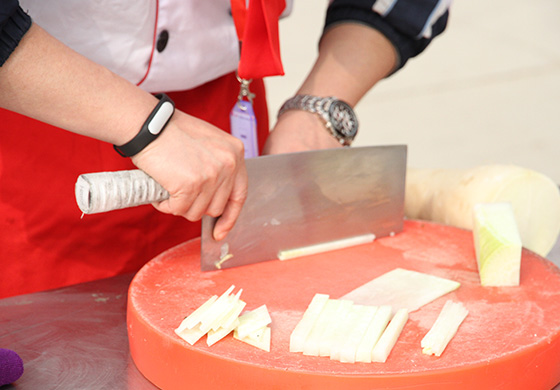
<point>325,247</point>
<point>444,328</point>
<point>373,333</point>
<point>389,337</point>
<point>304,326</point>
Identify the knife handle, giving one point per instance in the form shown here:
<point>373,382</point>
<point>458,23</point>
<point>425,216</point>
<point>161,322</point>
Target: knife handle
<point>106,191</point>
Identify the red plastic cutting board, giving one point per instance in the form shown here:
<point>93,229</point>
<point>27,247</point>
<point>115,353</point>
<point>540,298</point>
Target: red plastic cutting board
<point>510,339</point>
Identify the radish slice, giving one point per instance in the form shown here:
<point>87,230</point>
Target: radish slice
<point>444,328</point>
<point>252,321</point>
<point>262,342</point>
<point>373,333</point>
<point>401,288</point>
<point>389,337</point>
<point>325,247</point>
<point>364,316</point>
<point>303,328</point>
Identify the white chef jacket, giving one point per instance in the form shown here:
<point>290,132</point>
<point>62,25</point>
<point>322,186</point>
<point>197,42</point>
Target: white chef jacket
<point>160,45</point>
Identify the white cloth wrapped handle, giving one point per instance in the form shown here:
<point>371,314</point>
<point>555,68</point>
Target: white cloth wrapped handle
<point>106,191</point>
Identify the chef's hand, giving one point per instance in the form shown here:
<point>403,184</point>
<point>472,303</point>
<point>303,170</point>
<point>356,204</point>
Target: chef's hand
<point>299,131</point>
<point>202,168</point>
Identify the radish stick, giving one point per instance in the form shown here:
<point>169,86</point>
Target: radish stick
<point>389,337</point>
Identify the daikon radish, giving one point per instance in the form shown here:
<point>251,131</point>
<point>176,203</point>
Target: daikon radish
<point>192,335</point>
<point>217,317</point>
<point>216,310</point>
<point>373,333</point>
<point>389,337</point>
<point>327,318</point>
<point>194,318</point>
<point>448,196</point>
<point>252,321</point>
<point>444,328</point>
<point>216,335</point>
<point>262,342</point>
<point>349,348</point>
<point>304,326</point>
<point>328,336</point>
<point>325,247</point>
<point>345,327</point>
<point>402,288</point>
<point>497,244</point>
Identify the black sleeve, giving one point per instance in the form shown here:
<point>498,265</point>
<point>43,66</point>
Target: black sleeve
<point>14,23</point>
<point>410,25</point>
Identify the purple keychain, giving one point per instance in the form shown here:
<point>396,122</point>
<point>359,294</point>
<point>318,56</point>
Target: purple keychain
<point>243,121</point>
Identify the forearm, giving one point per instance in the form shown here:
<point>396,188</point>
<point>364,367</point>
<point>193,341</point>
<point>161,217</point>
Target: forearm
<point>352,59</point>
<point>47,81</point>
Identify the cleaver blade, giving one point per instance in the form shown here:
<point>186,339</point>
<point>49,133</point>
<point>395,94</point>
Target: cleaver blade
<point>301,199</point>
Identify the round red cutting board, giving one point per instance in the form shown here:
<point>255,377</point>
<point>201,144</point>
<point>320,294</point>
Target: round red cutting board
<point>510,339</point>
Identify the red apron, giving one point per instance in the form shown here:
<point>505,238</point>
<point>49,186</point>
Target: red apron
<point>43,241</point>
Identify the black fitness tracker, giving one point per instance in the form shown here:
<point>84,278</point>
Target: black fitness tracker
<point>151,129</point>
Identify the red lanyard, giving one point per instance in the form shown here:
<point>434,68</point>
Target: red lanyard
<point>257,30</point>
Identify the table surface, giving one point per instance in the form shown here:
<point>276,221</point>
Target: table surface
<point>75,337</point>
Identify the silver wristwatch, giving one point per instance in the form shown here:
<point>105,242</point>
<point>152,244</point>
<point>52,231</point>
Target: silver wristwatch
<point>339,118</point>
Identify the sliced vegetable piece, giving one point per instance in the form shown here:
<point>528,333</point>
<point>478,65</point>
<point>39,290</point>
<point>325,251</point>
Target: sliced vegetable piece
<point>444,328</point>
<point>497,244</point>
<point>389,337</point>
<point>326,246</point>
<point>373,333</point>
<point>326,318</point>
<point>328,337</point>
<point>216,310</point>
<point>235,310</point>
<point>304,326</point>
<point>365,315</point>
<point>253,321</point>
<point>216,335</point>
<point>194,318</point>
<point>401,288</point>
<point>345,326</point>
<point>192,335</point>
<point>262,342</point>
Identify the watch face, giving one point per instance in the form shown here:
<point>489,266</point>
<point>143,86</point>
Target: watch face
<point>343,119</point>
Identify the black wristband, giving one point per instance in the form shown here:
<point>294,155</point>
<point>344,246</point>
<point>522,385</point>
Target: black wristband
<point>151,129</point>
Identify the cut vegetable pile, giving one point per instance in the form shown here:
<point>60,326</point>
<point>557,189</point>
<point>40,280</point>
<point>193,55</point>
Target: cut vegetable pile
<point>347,332</point>
<point>219,316</point>
<point>336,328</point>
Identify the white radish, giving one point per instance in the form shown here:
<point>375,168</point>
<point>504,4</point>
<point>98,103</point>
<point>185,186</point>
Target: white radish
<point>328,338</point>
<point>497,244</point>
<point>327,318</point>
<point>389,337</point>
<point>448,196</point>
<point>194,318</point>
<point>402,288</point>
<point>252,321</point>
<point>262,342</point>
<point>349,349</point>
<point>373,333</point>
<point>304,326</point>
<point>444,328</point>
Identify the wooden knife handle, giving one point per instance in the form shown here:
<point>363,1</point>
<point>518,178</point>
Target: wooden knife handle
<point>105,191</point>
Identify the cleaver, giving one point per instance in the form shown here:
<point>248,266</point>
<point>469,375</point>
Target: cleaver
<point>295,201</point>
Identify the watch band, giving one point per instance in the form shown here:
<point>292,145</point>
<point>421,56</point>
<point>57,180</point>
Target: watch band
<point>151,129</point>
<point>328,109</point>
